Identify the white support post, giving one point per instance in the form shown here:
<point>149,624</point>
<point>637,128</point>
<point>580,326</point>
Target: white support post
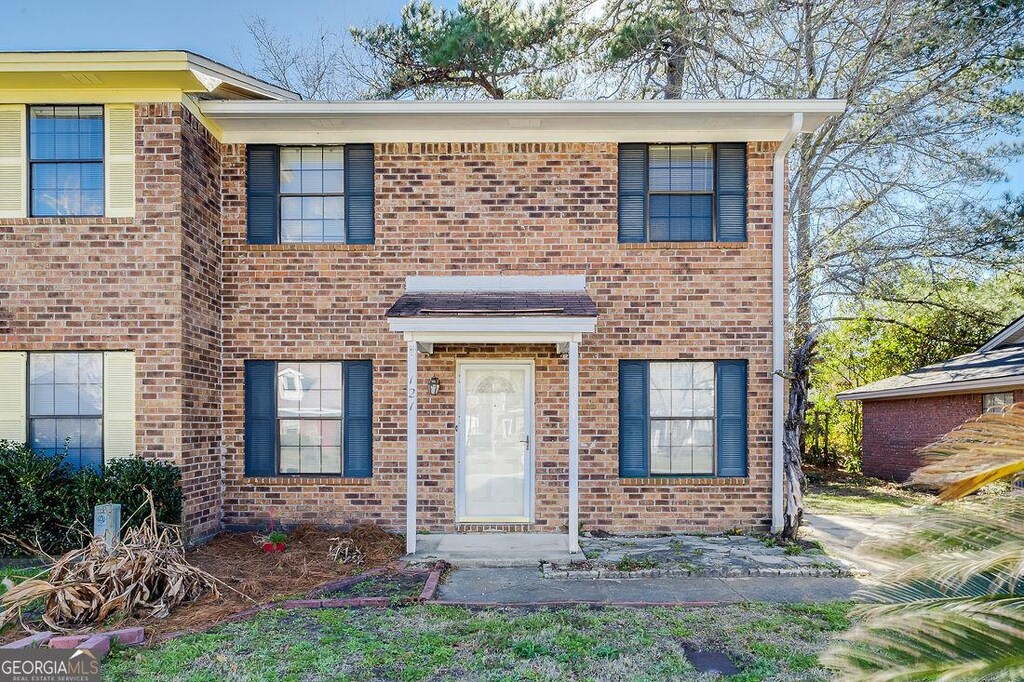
<point>574,447</point>
<point>410,437</point>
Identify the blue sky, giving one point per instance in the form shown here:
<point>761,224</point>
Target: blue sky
<point>213,28</point>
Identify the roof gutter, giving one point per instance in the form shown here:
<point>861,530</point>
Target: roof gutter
<point>778,314</point>
<point>945,388</point>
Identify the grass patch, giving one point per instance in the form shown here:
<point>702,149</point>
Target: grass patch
<point>831,492</point>
<point>444,642</point>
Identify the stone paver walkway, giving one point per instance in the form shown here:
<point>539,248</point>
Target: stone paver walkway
<point>693,555</point>
<point>524,586</point>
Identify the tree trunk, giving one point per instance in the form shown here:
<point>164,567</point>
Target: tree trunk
<point>793,473</point>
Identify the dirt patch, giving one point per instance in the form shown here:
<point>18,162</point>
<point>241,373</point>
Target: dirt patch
<point>390,585</point>
<point>247,576</point>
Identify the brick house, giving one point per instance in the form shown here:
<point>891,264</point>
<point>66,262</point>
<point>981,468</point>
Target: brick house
<point>438,316</point>
<point>909,411</point>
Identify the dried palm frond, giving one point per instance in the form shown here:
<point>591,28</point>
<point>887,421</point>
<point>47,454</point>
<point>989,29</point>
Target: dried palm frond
<point>345,551</point>
<point>144,575</point>
<point>982,451</point>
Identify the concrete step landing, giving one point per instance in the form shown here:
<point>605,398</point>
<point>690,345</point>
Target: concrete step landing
<point>493,550</point>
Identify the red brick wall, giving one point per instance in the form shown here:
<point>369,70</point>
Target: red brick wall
<point>895,429</point>
<point>148,284</point>
<point>201,329</point>
<point>487,209</point>
<point>110,283</point>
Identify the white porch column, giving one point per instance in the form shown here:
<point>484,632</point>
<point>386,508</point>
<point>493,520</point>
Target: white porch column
<point>410,438</point>
<point>574,446</point>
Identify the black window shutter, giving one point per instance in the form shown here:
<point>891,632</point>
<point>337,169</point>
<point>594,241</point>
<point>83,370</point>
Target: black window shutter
<point>359,418</point>
<point>261,185</point>
<point>632,193</point>
<point>731,190</point>
<point>634,422</point>
<point>359,194</point>
<point>732,417</point>
<point>260,418</point>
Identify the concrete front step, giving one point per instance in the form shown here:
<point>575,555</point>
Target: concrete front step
<point>493,550</point>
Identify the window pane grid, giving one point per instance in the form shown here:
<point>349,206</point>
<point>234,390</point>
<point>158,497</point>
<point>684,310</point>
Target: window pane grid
<point>312,189</point>
<point>996,402</point>
<point>681,192</point>
<point>66,406</point>
<point>682,418</point>
<point>310,401</point>
<point>66,160</point>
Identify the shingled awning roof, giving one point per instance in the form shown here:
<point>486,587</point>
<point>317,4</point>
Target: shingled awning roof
<point>988,370</point>
<point>503,304</point>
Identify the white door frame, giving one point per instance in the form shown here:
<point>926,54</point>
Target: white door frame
<point>529,477</point>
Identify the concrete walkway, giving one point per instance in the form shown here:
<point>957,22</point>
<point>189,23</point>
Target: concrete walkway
<point>511,586</point>
<point>844,536</point>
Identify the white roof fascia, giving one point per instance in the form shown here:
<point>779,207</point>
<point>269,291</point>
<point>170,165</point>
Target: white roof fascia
<point>945,388</point>
<point>307,122</point>
<point>1011,330</point>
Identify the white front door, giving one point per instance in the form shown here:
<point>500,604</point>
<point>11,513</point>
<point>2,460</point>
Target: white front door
<point>494,442</point>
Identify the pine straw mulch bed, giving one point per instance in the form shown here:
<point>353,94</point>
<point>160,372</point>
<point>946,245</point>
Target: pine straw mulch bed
<point>248,577</point>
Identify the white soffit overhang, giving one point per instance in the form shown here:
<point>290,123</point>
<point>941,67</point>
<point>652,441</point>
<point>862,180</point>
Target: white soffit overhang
<point>514,121</point>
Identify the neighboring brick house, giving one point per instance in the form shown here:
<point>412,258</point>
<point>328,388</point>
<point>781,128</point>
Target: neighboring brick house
<point>904,413</point>
<point>443,316</point>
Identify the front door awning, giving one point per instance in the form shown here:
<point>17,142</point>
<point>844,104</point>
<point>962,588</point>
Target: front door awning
<point>510,309</point>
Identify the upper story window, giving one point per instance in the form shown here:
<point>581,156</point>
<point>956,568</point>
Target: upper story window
<point>996,402</point>
<point>683,192</point>
<point>310,194</point>
<point>66,160</point>
<point>65,395</point>
<point>312,188</point>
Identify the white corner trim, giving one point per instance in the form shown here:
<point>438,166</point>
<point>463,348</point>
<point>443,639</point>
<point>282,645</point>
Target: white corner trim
<point>1010,331</point>
<point>945,388</point>
<point>421,284</point>
<point>779,234</point>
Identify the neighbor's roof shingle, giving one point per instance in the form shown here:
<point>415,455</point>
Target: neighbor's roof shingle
<point>506,304</point>
<point>1003,362</point>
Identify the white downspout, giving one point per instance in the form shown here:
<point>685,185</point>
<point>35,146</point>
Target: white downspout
<point>778,313</point>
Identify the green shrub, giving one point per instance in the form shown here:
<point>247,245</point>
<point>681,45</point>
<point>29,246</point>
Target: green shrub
<point>123,481</point>
<point>41,504</point>
<point>48,503</point>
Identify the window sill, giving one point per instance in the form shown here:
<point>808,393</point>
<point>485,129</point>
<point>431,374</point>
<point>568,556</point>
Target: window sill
<point>309,247</point>
<point>306,479</point>
<point>685,480</point>
<point>683,245</point>
<point>43,221</point>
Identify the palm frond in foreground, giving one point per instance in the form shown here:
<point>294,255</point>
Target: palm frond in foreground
<point>954,608</point>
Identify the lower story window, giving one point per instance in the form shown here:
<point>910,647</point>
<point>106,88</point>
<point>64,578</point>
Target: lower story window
<point>996,402</point>
<point>65,396</point>
<point>682,414</point>
<point>310,409</point>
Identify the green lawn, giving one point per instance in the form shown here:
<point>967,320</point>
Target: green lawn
<point>443,642</point>
<point>856,495</point>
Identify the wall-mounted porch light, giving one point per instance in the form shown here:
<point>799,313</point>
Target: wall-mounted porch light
<point>433,386</point>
